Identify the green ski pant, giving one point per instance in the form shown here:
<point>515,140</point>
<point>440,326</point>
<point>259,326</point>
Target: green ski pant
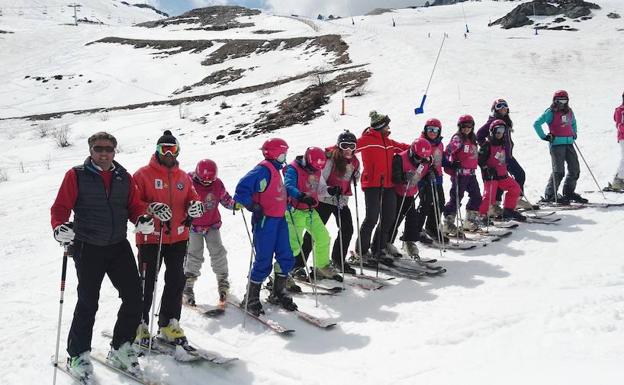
<point>310,221</point>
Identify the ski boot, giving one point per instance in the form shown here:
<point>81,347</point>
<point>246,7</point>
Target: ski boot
<point>550,199</point>
<point>513,215</point>
<point>223,287</point>
<point>173,333</point>
<point>495,210</point>
<point>411,249</point>
<point>328,272</point>
<point>392,251</point>
<point>252,299</point>
<point>523,204</point>
<point>470,223</point>
<point>81,367</point>
<point>347,268</point>
<point>449,228</point>
<point>142,335</point>
<point>188,295</point>
<point>574,197</point>
<point>618,184</point>
<point>278,294</point>
<point>125,358</point>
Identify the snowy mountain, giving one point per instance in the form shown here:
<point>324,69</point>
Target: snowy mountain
<point>542,306</point>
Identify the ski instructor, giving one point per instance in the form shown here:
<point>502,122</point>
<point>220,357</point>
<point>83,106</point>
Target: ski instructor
<point>103,197</point>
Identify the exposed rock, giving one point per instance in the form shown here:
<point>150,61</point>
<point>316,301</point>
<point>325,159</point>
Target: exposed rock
<point>266,31</point>
<point>378,11</point>
<point>519,16</point>
<point>613,15</point>
<point>152,8</point>
<point>211,18</point>
<point>444,2</point>
<point>1,31</point>
<point>221,77</point>
<point>194,46</point>
<point>575,12</point>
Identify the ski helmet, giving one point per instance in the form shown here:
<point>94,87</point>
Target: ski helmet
<point>431,125</point>
<point>346,136</point>
<point>420,148</point>
<point>206,171</point>
<point>496,124</point>
<point>315,158</point>
<point>561,94</point>
<point>273,148</point>
<point>499,104</point>
<point>465,119</point>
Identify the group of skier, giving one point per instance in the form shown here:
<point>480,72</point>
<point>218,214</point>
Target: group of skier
<point>176,214</point>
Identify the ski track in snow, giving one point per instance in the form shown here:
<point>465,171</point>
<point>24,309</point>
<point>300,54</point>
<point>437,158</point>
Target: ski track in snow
<point>542,306</point>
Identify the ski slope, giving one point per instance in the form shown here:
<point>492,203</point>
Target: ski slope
<point>544,306</point>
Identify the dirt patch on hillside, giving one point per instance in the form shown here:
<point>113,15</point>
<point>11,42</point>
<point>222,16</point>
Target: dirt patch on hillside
<point>221,77</point>
<point>217,18</point>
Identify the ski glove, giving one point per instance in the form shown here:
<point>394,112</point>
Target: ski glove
<point>160,211</point>
<point>334,191</point>
<point>64,233</point>
<point>456,165</point>
<point>308,200</point>
<point>549,137</point>
<point>195,209</point>
<point>238,206</point>
<point>144,225</point>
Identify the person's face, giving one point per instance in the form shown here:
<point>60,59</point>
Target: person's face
<point>432,132</point>
<point>167,153</point>
<point>385,131</point>
<point>466,128</point>
<point>347,149</point>
<point>102,153</point>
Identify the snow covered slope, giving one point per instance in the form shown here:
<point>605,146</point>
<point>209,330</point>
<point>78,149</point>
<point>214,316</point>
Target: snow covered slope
<point>545,306</point>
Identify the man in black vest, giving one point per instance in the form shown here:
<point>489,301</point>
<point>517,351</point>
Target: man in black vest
<point>103,197</point>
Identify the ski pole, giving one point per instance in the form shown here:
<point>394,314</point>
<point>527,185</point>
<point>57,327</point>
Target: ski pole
<point>157,271</point>
<point>252,256</point>
<point>338,214</point>
<point>399,213</point>
<point>314,268</point>
<point>436,213</point>
<point>552,165</point>
<point>357,219</point>
<point>590,171</point>
<point>60,314</point>
<point>487,224</point>
<point>305,263</point>
<point>380,225</point>
<point>421,109</point>
<point>458,212</point>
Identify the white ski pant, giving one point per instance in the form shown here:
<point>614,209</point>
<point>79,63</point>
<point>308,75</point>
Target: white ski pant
<point>620,171</point>
<point>195,254</point>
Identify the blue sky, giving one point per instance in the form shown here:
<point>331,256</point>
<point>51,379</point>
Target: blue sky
<point>302,7</point>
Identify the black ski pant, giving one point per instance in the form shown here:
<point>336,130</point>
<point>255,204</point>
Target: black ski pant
<point>325,210</point>
<point>92,263</point>
<point>407,212</point>
<point>373,197</point>
<point>426,211</point>
<point>171,301</point>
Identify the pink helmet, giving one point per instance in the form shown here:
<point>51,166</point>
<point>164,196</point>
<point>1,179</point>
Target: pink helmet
<point>273,148</point>
<point>420,148</point>
<point>465,119</point>
<point>315,158</point>
<point>561,94</point>
<point>206,171</point>
<point>495,124</point>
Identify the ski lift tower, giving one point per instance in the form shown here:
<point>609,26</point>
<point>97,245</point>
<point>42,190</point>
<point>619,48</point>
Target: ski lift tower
<point>75,6</point>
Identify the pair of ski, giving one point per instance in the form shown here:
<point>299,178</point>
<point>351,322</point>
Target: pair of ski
<point>399,266</point>
<point>362,281</point>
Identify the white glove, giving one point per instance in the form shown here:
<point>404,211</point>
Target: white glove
<point>160,211</point>
<point>195,209</point>
<point>144,225</point>
<point>64,233</point>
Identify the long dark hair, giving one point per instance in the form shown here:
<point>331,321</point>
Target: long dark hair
<point>565,109</point>
<point>340,162</point>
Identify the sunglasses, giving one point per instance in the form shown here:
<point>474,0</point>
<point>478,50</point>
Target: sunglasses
<point>561,101</point>
<point>500,129</point>
<point>109,149</point>
<point>164,148</point>
<point>432,129</point>
<point>346,146</point>
<point>498,106</point>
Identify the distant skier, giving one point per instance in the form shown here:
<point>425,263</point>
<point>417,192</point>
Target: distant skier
<point>103,197</point>
<point>377,151</point>
<point>302,178</point>
<point>334,192</point>
<point>206,229</point>
<point>163,181</point>
<point>431,192</point>
<point>409,167</point>
<point>618,116</point>
<point>493,163</point>
<point>500,110</point>
<point>262,192</point>
<point>561,136</point>
<point>462,154</point>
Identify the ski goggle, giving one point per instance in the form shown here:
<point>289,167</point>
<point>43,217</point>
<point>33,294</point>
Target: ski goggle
<point>561,101</point>
<point>499,129</point>
<point>167,148</point>
<point>500,105</point>
<point>432,129</point>
<point>346,146</point>
<point>98,149</point>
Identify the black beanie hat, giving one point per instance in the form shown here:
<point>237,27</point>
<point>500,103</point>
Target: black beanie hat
<point>168,138</point>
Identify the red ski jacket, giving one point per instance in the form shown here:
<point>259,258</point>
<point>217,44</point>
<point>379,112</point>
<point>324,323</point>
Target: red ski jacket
<point>157,183</point>
<point>377,153</point>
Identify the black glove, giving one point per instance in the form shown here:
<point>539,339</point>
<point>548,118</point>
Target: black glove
<point>456,165</point>
<point>334,191</point>
<point>549,137</point>
<point>308,200</point>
